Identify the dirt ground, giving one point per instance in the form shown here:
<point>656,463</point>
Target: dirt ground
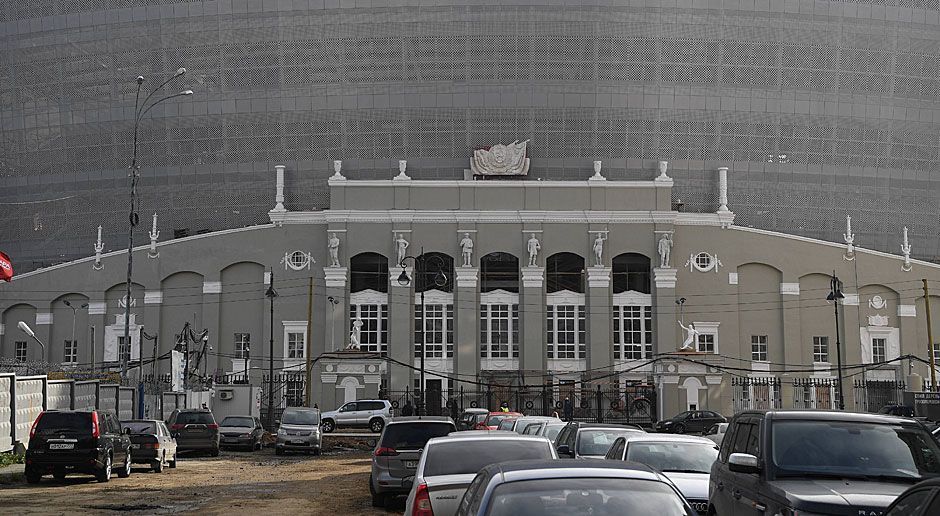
<point>234,483</point>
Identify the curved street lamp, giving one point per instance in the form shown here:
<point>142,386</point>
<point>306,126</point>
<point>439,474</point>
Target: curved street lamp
<point>140,109</point>
<point>836,296</point>
<point>440,279</point>
<point>30,333</point>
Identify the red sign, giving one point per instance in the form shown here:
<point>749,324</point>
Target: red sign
<point>6,267</point>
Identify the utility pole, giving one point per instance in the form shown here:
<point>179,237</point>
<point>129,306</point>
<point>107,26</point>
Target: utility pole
<point>930,353</point>
<point>835,295</point>
<point>271,294</point>
<point>308,395</point>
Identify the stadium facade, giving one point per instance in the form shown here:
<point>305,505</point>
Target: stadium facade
<point>819,108</point>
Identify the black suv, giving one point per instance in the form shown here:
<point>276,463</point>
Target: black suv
<point>579,440</point>
<point>195,430</point>
<point>65,441</point>
<point>819,462</point>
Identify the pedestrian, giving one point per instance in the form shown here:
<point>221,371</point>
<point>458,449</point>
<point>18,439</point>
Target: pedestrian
<point>504,406</point>
<point>454,413</point>
<point>408,409</point>
<point>568,409</point>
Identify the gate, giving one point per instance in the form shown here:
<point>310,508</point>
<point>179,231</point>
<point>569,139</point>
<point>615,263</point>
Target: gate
<point>288,389</point>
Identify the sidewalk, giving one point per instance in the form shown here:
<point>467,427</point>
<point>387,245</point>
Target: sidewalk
<point>11,474</point>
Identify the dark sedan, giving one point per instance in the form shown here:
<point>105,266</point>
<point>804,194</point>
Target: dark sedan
<point>241,431</point>
<point>151,443</point>
<point>690,422</point>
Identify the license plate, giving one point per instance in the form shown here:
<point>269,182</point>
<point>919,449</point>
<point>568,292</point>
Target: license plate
<point>230,440</point>
<point>302,443</point>
<point>61,446</point>
<point>411,464</point>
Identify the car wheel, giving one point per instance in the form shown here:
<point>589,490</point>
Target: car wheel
<point>126,470</point>
<point>278,451</point>
<point>215,452</point>
<point>173,462</point>
<point>377,424</point>
<point>32,477</point>
<point>679,428</point>
<point>316,452</point>
<point>379,500</point>
<point>158,464</point>
<point>104,474</point>
<point>328,425</point>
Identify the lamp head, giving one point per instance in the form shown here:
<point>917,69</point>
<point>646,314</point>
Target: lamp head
<point>180,71</point>
<point>140,79</point>
<point>186,92</point>
<point>66,302</point>
<point>26,329</point>
<point>403,278</point>
<point>271,293</point>
<point>84,305</point>
<point>440,279</point>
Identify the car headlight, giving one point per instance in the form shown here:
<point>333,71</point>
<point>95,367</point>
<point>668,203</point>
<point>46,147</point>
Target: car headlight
<point>245,435</point>
<point>667,423</point>
<point>281,431</point>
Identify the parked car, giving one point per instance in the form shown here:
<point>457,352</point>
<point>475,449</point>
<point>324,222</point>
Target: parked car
<point>299,430</point>
<point>470,417</point>
<point>371,414</point>
<point>195,430</point>
<point>717,432</point>
<point>77,441</point>
<point>922,499</point>
<point>578,440</point>
<point>520,424</point>
<point>241,431</point>
<point>547,429</point>
<point>507,424</point>
<point>690,421</point>
<point>398,451</point>
<point>523,488</point>
<point>450,463</point>
<point>151,443</point>
<point>493,419</point>
<point>820,462</point>
<point>684,459</point>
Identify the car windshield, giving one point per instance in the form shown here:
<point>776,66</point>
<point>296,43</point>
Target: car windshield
<point>64,421</point>
<point>596,441</point>
<point>853,449</point>
<point>470,456</point>
<point>584,497</point>
<point>479,418</point>
<point>238,421</point>
<point>495,420</point>
<point>140,427</point>
<point>194,418</point>
<point>413,436</point>
<point>301,417</point>
<point>506,424</point>
<point>674,456</point>
<point>552,431</point>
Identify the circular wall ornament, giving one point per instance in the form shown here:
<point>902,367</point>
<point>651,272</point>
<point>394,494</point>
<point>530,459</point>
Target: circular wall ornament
<point>703,262</point>
<point>297,260</point>
<point>877,302</point>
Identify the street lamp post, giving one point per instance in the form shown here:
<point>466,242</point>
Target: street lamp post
<point>29,333</point>
<point>835,295</point>
<point>74,310</point>
<point>140,109</point>
<point>271,294</point>
<point>440,279</point>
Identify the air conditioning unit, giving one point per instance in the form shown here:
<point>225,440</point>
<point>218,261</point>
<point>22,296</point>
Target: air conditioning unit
<point>226,395</point>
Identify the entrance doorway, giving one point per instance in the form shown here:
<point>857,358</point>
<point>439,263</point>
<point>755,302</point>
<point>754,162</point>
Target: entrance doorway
<point>433,397</point>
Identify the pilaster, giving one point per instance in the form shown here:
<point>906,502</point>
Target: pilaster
<point>97,311</point>
<point>599,353</point>
<point>211,303</point>
<point>153,299</point>
<point>791,346</point>
<point>43,331</point>
<point>466,314</point>
<point>532,323</point>
<point>664,299</point>
<point>401,331</point>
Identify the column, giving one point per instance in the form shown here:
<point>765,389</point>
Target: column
<point>43,331</point>
<point>211,306</point>
<point>532,323</point>
<point>466,313</point>
<point>791,346</point>
<point>599,352</point>
<point>664,299</point>
<point>401,331</point>
<point>723,190</point>
<point>97,311</point>
<point>851,343</point>
<point>279,192</point>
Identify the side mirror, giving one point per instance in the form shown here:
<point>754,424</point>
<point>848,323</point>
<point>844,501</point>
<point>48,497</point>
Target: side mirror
<point>743,463</point>
<point>564,449</point>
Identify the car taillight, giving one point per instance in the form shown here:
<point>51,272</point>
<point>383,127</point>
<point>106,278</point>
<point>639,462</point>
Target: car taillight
<point>385,452</point>
<point>152,446</point>
<point>212,426</point>
<point>32,430</point>
<point>422,506</point>
<point>177,426</point>
<point>95,429</point>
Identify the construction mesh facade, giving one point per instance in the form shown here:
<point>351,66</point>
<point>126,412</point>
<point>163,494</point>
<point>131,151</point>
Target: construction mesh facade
<point>821,109</point>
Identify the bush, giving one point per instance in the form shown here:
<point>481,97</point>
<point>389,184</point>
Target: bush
<point>8,458</point>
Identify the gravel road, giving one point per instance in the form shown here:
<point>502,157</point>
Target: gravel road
<point>234,483</point>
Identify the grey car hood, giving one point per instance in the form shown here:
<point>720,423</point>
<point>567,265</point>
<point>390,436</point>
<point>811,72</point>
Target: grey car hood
<point>295,428</point>
<point>840,496</point>
<point>236,429</point>
<point>693,486</point>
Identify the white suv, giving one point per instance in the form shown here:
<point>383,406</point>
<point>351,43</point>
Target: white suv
<point>362,413</point>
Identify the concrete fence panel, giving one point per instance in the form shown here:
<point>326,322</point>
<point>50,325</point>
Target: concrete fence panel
<point>6,412</point>
<point>170,402</point>
<point>59,394</point>
<point>108,397</point>
<point>127,402</point>
<point>86,395</point>
<point>28,401</point>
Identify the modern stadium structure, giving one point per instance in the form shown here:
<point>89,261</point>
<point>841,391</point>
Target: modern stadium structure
<point>820,109</point>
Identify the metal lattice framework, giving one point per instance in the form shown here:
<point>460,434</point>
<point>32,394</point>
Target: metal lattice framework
<point>817,113</point>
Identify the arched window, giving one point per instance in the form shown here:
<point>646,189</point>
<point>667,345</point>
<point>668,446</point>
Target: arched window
<point>368,301</point>
<point>438,273</point>
<point>564,271</point>
<point>631,272</point>
<point>499,271</point>
<point>499,311</point>
<point>368,271</point>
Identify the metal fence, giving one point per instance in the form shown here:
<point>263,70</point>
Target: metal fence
<point>633,404</point>
<point>755,393</point>
<point>872,395</point>
<point>289,390</point>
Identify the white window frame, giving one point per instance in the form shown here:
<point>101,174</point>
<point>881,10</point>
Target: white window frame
<point>571,302</point>
<point>70,352</point>
<point>375,330</point>
<point>240,345</point>
<point>299,327</point>
<point>111,343</point>
<point>499,301</point>
<point>817,344</point>
<point>20,350</point>
<point>759,348</point>
<point>435,301</point>
<point>707,328</point>
<point>125,350</point>
<point>892,342</point>
<point>877,357</point>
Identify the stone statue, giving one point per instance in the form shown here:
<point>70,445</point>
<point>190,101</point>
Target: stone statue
<point>355,334</point>
<point>466,249</point>
<point>99,247</point>
<point>501,160</point>
<point>402,246</point>
<point>334,250</point>
<point>906,249</point>
<point>154,235</point>
<point>663,166</point>
<point>599,250</point>
<point>533,247</point>
<point>691,335</point>
<point>849,237</point>
<point>597,171</point>
<point>337,170</point>
<point>665,248</point>
<point>402,166</point>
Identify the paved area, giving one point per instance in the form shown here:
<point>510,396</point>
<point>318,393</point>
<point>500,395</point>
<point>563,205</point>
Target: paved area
<point>234,483</point>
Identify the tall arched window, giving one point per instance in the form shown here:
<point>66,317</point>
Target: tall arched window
<point>437,283</point>
<point>564,311</point>
<point>499,312</point>
<point>368,300</point>
<point>632,307</point>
